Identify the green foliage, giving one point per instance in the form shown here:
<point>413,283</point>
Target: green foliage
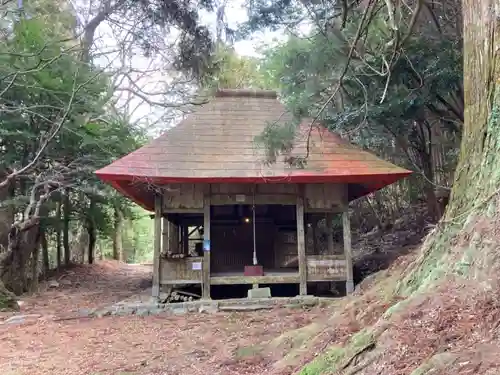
<point>402,113</point>
<point>230,71</point>
<point>42,86</point>
<point>308,70</point>
<point>137,237</point>
<point>55,110</point>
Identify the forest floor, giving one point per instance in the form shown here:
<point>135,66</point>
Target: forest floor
<point>50,340</point>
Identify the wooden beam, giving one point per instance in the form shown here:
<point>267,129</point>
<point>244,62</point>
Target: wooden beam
<point>231,199</point>
<point>346,225</point>
<point>287,278</point>
<point>301,246</point>
<point>206,252</point>
<point>157,246</point>
<point>184,211</point>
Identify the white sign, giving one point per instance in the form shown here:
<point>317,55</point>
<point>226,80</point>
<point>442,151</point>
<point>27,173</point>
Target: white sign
<point>240,198</point>
<point>196,266</point>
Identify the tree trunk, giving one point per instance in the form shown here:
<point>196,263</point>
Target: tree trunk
<point>430,186</point>
<point>92,241</point>
<point>34,261</point>
<point>6,213</point>
<point>117,238</point>
<point>91,230</point>
<point>13,262</point>
<point>67,211</point>
<point>58,234</point>
<point>467,232</point>
<point>45,251</point>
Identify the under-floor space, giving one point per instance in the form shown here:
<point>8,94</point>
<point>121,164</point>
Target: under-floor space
<point>252,245</point>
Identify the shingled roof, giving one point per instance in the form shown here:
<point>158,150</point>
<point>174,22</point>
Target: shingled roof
<point>216,143</point>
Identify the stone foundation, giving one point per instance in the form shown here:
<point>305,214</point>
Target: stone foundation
<point>152,307</point>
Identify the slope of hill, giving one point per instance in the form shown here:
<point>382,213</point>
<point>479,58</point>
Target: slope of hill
<point>435,310</point>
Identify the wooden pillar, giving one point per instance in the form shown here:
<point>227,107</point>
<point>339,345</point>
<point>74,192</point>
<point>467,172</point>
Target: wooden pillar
<point>346,225</point>
<point>165,243</point>
<point>206,248</point>
<point>301,246</point>
<point>157,246</point>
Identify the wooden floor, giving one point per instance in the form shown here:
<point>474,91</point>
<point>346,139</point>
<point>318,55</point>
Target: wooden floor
<point>282,276</point>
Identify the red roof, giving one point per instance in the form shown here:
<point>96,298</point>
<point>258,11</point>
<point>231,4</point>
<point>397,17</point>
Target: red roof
<point>216,143</point>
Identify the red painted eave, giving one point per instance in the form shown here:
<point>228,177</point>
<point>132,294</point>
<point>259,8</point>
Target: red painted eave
<point>294,178</point>
<point>369,183</point>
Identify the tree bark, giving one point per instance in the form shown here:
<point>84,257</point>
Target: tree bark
<point>66,218</point>
<point>479,154</point>
<point>468,228</point>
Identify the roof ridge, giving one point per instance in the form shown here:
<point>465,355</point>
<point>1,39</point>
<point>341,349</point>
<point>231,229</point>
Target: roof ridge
<point>247,93</point>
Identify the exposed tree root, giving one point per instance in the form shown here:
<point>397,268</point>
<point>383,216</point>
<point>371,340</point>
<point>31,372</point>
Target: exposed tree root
<point>367,347</point>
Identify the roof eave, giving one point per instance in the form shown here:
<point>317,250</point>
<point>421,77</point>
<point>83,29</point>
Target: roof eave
<point>292,178</point>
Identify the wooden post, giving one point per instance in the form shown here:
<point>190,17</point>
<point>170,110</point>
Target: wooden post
<point>165,243</point>
<point>301,246</point>
<point>157,246</point>
<point>346,225</point>
<point>206,252</point>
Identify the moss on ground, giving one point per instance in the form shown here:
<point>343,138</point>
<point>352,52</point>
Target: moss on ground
<point>431,265</point>
<point>339,357</point>
<point>397,307</point>
<point>325,362</point>
<point>294,339</point>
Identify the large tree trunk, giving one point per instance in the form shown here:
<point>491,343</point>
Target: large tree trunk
<point>13,263</point>
<point>477,173</point>
<point>467,232</point>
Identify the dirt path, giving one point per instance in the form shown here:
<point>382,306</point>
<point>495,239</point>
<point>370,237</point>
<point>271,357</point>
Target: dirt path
<point>190,344</point>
